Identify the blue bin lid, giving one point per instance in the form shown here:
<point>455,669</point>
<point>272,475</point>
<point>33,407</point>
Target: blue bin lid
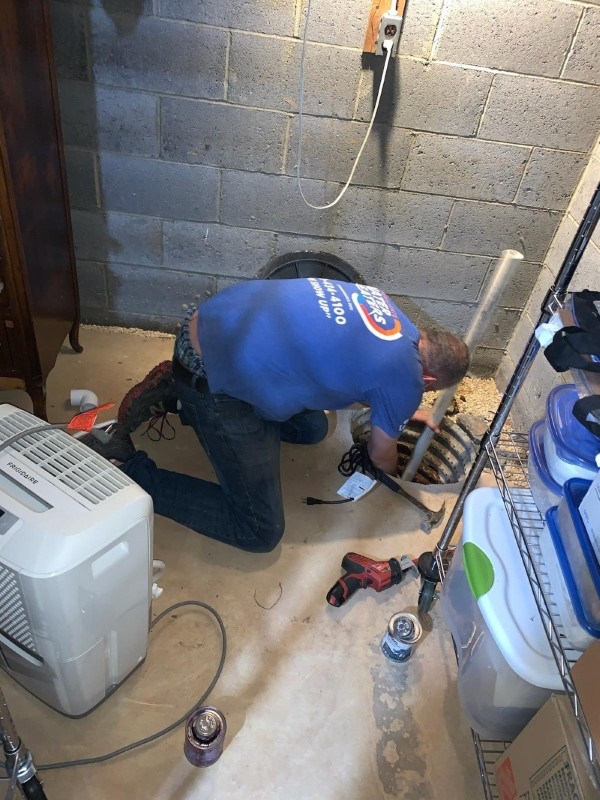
<point>574,443</point>
<point>574,491</point>
<point>536,447</point>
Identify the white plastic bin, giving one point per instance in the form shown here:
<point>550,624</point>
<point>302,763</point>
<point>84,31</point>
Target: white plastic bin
<point>506,669</point>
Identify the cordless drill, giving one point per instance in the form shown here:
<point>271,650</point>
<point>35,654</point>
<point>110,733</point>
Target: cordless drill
<point>361,572</point>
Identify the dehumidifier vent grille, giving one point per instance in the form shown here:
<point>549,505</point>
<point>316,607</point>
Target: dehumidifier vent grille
<point>65,459</point>
<point>14,622</point>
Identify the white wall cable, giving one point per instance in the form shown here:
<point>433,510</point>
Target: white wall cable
<point>387,46</point>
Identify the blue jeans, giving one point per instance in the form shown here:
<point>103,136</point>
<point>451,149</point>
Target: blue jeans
<point>245,508</point>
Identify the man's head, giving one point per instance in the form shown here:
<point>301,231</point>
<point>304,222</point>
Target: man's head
<point>444,357</point>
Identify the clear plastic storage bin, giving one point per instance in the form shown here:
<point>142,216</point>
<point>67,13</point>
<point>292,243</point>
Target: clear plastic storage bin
<point>506,670</point>
<point>569,448</point>
<point>577,636</point>
<point>546,492</point>
<point>576,556</point>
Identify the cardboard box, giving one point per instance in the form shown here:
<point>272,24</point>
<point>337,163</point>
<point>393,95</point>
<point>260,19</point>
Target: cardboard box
<point>547,760</point>
<point>585,678</point>
<point>590,513</point>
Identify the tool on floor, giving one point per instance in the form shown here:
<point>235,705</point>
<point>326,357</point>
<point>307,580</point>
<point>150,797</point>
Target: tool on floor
<point>362,572</point>
<point>357,460</point>
<point>204,736</point>
<point>403,632</point>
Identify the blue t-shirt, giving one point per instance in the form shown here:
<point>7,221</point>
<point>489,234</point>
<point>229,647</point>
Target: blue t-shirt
<point>285,346</point>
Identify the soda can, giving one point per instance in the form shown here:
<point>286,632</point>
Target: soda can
<point>204,736</point>
<point>403,632</point>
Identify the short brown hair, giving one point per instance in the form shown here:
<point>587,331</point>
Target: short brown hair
<point>444,356</point>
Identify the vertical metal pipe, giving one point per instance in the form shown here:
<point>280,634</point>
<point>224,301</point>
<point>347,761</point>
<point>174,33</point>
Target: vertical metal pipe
<point>502,274</point>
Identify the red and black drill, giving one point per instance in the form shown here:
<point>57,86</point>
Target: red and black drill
<point>361,572</point>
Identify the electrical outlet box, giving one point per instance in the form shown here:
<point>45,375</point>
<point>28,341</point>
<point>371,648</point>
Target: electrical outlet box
<point>389,30</point>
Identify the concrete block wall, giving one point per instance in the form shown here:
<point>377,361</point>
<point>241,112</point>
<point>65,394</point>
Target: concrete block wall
<point>530,403</point>
<point>181,127</point>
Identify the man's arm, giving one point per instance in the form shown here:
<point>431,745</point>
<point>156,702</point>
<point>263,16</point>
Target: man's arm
<point>383,451</point>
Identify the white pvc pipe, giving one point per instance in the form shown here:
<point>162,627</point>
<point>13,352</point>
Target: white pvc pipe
<point>84,399</point>
<point>503,272</point>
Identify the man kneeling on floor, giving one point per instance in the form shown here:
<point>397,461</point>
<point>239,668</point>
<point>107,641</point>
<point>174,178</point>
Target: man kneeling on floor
<point>254,366</point>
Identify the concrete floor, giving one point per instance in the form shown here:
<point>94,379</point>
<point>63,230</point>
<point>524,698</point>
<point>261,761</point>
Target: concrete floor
<point>314,710</point>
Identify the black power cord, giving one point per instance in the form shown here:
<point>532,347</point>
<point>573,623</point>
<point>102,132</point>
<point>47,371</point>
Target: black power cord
<point>355,460</point>
<point>82,762</point>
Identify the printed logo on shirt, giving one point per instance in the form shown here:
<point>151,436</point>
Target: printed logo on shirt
<point>376,313</point>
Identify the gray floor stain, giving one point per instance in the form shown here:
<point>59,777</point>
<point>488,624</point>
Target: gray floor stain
<point>401,769</point>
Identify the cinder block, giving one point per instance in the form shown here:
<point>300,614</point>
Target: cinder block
<point>100,118</point>
<point>464,167</point>
<point>156,292</point>
<point>485,363</point>
<point>540,382</point>
<point>272,202</point>
<point>158,54</point>
<point>403,218</point>
<point>68,34</point>
<point>585,190</point>
<point>530,37</point>
<point>124,319</point>
<point>560,244</point>
<point>488,229</point>
<point>265,72</point>
<point>235,138</point>
<point>583,63</point>
<point>587,275</point>
<point>276,16</point>
<point>216,249</point>
<point>457,317</point>
<point>538,294</point>
<point>364,257</point>
<point>538,111</point>
<point>519,338</point>
<point>431,273</point>
<point>518,290</point>
<point>158,188</point>
<point>504,373</point>
<point>430,97</point>
<point>137,7</point>
<point>330,147</point>
<point>81,176</point>
<point>91,277</point>
<point>325,27</point>
<point>418,29</point>
<point>550,178</point>
<point>420,23</point>
<point>117,238</point>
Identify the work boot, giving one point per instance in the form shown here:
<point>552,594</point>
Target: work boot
<point>115,445</point>
<point>152,397</point>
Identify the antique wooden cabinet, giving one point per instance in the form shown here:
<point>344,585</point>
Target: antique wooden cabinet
<point>39,300</point>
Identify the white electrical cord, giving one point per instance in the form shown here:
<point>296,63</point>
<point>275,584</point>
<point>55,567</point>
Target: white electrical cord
<point>387,45</point>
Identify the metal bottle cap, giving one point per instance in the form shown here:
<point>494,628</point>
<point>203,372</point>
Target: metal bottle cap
<point>206,726</point>
<point>405,627</point>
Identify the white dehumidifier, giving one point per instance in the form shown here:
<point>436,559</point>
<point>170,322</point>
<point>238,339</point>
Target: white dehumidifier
<point>75,567</point>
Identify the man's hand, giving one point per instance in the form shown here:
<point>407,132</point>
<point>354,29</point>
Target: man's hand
<point>425,415</point>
